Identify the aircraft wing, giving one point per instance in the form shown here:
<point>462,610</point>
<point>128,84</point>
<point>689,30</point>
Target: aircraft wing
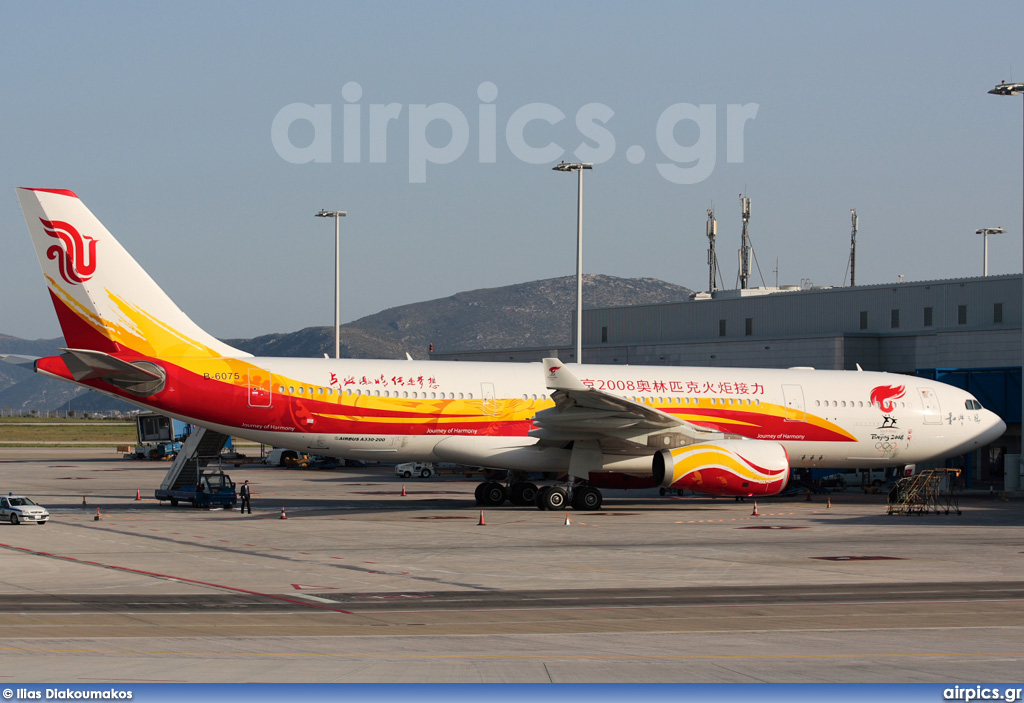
<point>618,424</point>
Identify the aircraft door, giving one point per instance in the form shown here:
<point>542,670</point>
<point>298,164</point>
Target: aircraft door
<point>932,410</point>
<point>794,397</point>
<point>261,392</point>
<point>489,400</point>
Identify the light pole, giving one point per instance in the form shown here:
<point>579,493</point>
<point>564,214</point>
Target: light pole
<point>337,276</point>
<point>984,232</point>
<point>1005,88</point>
<point>579,168</point>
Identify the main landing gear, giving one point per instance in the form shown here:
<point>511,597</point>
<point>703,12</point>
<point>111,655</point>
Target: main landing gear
<point>580,496</point>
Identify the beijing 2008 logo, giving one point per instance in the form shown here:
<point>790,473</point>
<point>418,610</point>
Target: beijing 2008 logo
<point>77,258</point>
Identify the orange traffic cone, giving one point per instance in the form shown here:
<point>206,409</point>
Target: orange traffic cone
<point>808,497</point>
<point>481,518</point>
<point>97,517</point>
<point>828,506</point>
<point>138,496</point>
<point>567,522</point>
<point>283,516</point>
<point>755,513</point>
<point>83,500</point>
<point>403,489</point>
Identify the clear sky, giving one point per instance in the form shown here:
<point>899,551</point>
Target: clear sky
<point>190,130</point>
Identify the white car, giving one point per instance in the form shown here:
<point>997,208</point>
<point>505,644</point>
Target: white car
<point>18,509</point>
<point>414,468</point>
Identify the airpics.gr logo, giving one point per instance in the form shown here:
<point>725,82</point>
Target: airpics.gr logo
<point>884,395</point>
<point>77,258</point>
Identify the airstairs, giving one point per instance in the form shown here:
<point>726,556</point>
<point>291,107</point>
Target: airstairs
<point>932,490</point>
<point>199,449</point>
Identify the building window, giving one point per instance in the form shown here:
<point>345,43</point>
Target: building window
<point>927,317</point>
<point>895,321</point>
<point>961,314</point>
<point>863,319</point>
<point>604,335</point>
<point>997,313</point>
<point>749,330</point>
<point>721,328</point>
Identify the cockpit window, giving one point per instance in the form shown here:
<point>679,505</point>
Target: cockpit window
<point>972,404</point>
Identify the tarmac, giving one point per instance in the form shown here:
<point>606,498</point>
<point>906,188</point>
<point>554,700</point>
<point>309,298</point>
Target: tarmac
<point>361,584</point>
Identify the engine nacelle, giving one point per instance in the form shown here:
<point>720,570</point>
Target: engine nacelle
<point>729,467</point>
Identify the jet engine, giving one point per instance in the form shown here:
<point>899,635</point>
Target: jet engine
<point>729,467</point>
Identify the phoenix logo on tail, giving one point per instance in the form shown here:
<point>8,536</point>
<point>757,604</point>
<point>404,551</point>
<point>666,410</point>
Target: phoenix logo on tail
<point>76,263</point>
<point>884,395</point>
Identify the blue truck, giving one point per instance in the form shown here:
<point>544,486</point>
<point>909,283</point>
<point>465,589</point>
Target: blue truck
<point>212,488</point>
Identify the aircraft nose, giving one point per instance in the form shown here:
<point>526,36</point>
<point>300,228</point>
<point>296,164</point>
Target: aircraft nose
<point>994,428</point>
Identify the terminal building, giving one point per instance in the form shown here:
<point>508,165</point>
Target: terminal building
<point>965,332</point>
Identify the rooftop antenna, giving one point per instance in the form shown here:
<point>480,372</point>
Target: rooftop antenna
<point>745,243</point>
<point>852,266</point>
<point>712,232</point>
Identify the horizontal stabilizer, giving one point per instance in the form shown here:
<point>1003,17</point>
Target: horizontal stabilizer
<point>29,362</point>
<point>85,365</point>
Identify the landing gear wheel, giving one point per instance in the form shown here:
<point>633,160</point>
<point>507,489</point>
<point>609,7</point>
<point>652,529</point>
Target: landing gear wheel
<point>493,493</point>
<point>523,493</point>
<point>587,498</point>
<point>479,493</point>
<point>552,498</point>
<point>662,491</point>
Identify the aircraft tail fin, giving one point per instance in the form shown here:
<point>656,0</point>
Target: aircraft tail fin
<point>104,299</point>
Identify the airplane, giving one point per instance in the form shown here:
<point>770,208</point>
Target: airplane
<point>582,427</point>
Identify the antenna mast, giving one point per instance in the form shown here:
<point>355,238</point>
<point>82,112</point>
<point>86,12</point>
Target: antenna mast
<point>745,243</point>
<point>853,248</point>
<point>712,232</point>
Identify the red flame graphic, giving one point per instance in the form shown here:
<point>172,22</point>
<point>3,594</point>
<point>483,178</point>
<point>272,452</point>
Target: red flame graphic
<point>77,258</point>
<point>884,395</point>
<point>553,369</point>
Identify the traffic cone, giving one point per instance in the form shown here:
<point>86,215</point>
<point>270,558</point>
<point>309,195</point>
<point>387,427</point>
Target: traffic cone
<point>138,496</point>
<point>755,513</point>
<point>403,489</point>
<point>83,501</point>
<point>283,516</point>
<point>97,517</point>
<point>828,506</point>
<point>808,497</point>
<point>481,518</point>
<point>567,522</point>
